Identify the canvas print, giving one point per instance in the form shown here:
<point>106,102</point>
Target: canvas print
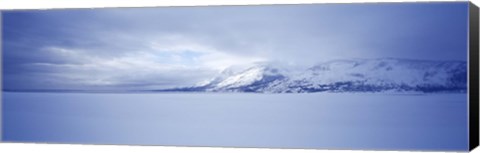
<point>372,76</point>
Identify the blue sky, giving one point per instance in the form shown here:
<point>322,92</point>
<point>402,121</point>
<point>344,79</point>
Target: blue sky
<point>154,48</point>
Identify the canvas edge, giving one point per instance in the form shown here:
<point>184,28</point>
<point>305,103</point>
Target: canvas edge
<point>1,76</point>
<point>229,5</point>
<point>473,74</point>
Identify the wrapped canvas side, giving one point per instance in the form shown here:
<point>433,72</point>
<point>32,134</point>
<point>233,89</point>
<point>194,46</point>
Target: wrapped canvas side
<point>473,76</point>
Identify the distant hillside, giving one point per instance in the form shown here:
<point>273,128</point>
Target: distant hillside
<point>355,75</point>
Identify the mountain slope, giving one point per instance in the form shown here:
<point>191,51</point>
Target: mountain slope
<point>381,75</point>
<point>253,79</point>
<point>355,75</point>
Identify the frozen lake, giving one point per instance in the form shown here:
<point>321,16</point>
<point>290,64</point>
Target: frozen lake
<point>320,120</point>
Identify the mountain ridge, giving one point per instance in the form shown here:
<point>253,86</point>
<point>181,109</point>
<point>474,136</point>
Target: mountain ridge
<point>351,75</point>
<point>391,75</point>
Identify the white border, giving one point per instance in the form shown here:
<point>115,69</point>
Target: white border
<point>61,148</point>
<point>48,4</point>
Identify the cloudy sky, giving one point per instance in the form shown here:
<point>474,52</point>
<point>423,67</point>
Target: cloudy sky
<point>156,48</point>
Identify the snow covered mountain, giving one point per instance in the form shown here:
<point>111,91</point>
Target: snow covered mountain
<point>355,75</point>
<point>258,78</point>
